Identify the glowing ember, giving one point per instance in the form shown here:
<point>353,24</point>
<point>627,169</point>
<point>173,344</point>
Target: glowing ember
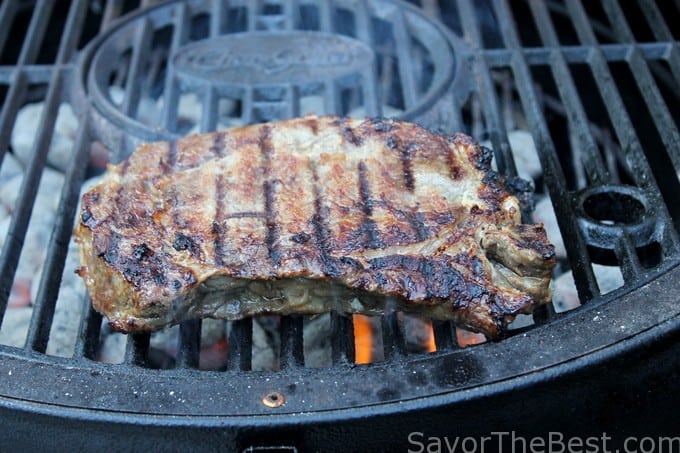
<point>466,338</point>
<point>429,344</point>
<point>363,339</point>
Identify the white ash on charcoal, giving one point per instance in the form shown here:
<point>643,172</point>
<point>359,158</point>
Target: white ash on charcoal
<point>317,341</point>
<point>148,112</point>
<point>523,152</point>
<point>565,296</point>
<point>69,307</point>
<point>36,242</point>
<point>65,129</point>
<point>544,213</point>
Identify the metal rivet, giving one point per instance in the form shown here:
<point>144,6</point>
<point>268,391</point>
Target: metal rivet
<point>274,399</point>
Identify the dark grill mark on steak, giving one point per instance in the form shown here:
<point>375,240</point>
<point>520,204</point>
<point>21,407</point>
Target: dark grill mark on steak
<point>381,125</point>
<point>183,242</point>
<point>313,124</point>
<point>218,229</point>
<point>368,227</point>
<point>301,238</point>
<point>407,166</point>
<point>322,232</point>
<point>417,222</point>
<point>141,274</point>
<point>172,155</point>
<point>483,158</point>
<point>405,156</point>
<point>437,277</point>
<point>246,214</point>
<point>218,147</point>
<point>348,133</point>
<point>174,203</point>
<point>142,251</point>
<point>110,255</point>
<point>272,238</point>
<point>125,166</point>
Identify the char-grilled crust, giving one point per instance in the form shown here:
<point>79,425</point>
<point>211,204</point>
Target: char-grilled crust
<point>372,208</point>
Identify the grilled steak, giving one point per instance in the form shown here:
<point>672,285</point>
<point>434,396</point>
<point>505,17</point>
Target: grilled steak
<point>310,215</point>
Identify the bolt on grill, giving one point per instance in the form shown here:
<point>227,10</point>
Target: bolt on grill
<point>593,84</point>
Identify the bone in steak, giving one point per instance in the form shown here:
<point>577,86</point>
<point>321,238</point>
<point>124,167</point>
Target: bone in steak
<point>309,215</point>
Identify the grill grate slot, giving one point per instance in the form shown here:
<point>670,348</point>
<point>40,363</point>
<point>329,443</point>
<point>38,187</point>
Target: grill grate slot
<point>342,339</point>
<point>87,341</point>
<point>137,349</point>
<point>444,335</point>
<point>240,345</point>
<point>189,347</point>
<point>291,354</point>
<point>36,32</point>
<point>392,337</point>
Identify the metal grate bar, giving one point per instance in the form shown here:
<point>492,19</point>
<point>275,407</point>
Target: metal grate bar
<point>623,126</point>
<point>592,159</point>
<point>36,31</point>
<point>15,96</point>
<point>217,16</point>
<point>586,283</point>
<point>292,101</point>
<point>662,33</point>
<point>443,335</point>
<point>29,188</point>
<point>292,353</point>
<point>392,336</point>
<point>171,92</point>
<point>404,58</point>
<point>240,345</point>
<point>371,93</point>
<point>7,13</point>
<point>189,346</point>
<point>492,114</point>
<point>87,341</point>
<point>325,16</point>
<point>73,29</point>
<point>342,339</point>
<point>628,258</point>
<point>369,78</point>
<point>650,92</point>
<point>363,21</point>
<point>290,8</point>
<point>578,54</point>
<point>209,113</point>
<point>113,10</point>
<point>253,7</point>
<point>657,24</point>
<point>50,279</point>
<point>331,97</point>
<point>137,349</point>
<point>247,105</point>
<point>140,51</point>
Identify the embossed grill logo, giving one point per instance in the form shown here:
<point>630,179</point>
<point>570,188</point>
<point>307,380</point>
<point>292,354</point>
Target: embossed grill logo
<point>272,58</point>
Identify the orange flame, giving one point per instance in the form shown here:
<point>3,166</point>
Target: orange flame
<point>363,339</point>
<point>429,344</point>
<point>466,338</point>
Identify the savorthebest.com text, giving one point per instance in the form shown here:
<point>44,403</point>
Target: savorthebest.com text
<point>552,442</point>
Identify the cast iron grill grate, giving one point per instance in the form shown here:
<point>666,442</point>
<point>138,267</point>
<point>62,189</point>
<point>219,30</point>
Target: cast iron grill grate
<point>593,86</point>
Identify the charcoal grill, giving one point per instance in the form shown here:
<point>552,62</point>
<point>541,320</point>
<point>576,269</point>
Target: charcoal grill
<point>595,84</point>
